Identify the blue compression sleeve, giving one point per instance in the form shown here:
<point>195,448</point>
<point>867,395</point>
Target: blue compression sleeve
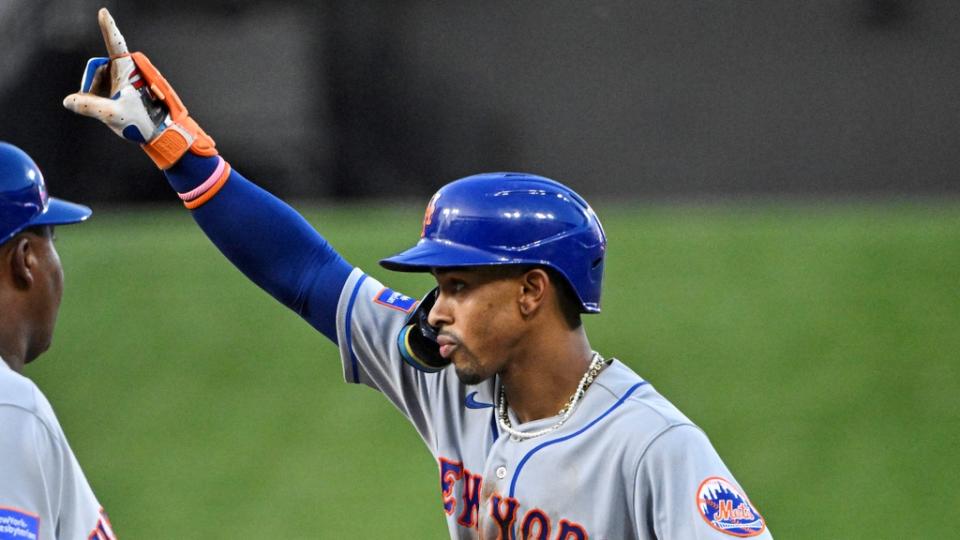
<point>269,242</point>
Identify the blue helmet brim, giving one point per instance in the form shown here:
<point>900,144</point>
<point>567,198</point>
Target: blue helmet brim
<point>429,254</point>
<point>61,212</point>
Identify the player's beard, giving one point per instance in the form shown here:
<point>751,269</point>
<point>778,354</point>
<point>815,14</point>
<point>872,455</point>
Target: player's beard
<point>468,367</point>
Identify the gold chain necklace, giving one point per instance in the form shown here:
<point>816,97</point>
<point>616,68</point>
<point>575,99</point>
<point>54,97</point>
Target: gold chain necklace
<point>596,366</point>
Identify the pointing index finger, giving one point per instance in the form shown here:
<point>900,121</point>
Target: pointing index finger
<point>116,45</point>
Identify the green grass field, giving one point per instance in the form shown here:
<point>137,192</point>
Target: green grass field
<point>817,345</point>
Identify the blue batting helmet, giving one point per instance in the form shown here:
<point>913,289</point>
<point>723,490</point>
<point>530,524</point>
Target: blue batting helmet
<point>23,196</point>
<point>511,218</point>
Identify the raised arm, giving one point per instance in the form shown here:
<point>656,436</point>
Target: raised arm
<point>263,236</point>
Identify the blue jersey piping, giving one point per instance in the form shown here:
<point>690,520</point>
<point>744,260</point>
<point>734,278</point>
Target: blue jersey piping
<point>516,474</point>
<point>349,329</point>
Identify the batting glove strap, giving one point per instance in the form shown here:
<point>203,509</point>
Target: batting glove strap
<point>181,132</point>
<point>127,93</point>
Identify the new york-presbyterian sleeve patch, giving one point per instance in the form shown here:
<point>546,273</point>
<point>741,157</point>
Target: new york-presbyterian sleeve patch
<point>725,508</point>
<point>394,300</point>
<point>18,525</point>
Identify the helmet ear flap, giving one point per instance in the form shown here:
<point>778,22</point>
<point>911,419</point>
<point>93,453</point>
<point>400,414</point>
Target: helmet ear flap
<point>417,340</point>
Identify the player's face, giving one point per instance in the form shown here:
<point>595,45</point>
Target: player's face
<point>479,320</point>
<point>47,292</point>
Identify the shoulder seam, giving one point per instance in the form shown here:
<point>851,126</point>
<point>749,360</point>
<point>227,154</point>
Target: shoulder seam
<point>57,442</point>
<point>40,420</point>
<point>653,439</point>
<point>660,433</point>
<point>638,400</point>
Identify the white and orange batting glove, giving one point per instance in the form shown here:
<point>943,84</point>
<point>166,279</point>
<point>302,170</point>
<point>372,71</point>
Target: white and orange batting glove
<point>137,103</point>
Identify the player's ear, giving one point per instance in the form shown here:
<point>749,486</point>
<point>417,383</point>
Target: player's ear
<point>20,261</point>
<point>533,289</point>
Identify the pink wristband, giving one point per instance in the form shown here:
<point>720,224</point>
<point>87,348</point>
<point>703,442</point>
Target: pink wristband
<point>207,184</point>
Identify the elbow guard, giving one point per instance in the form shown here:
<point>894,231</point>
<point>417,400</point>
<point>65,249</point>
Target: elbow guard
<point>417,340</point>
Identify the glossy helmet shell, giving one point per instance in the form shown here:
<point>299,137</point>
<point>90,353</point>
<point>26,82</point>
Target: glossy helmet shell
<point>515,219</point>
<point>23,196</point>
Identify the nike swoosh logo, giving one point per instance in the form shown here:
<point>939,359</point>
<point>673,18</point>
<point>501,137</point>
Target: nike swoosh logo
<point>471,402</point>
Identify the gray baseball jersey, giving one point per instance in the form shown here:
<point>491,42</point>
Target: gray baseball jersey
<point>43,493</point>
<point>626,465</point>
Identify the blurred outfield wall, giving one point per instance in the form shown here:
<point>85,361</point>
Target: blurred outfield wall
<point>661,98</point>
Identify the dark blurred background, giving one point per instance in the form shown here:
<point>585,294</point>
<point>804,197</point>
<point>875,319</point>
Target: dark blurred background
<point>649,99</point>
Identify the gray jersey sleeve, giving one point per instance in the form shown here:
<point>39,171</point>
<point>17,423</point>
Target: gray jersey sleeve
<point>44,494</point>
<point>369,319</point>
<point>684,490</point>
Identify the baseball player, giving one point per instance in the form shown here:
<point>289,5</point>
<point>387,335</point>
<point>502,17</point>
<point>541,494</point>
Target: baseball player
<point>535,434</point>
<point>43,493</point>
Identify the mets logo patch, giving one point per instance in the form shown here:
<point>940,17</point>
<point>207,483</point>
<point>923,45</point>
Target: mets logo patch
<point>725,508</point>
<point>394,300</point>
<point>18,525</point>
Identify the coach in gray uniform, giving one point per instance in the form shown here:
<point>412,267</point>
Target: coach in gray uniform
<point>43,493</point>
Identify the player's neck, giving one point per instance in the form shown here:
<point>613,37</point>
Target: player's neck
<point>13,331</point>
<point>541,379</point>
<point>11,353</point>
